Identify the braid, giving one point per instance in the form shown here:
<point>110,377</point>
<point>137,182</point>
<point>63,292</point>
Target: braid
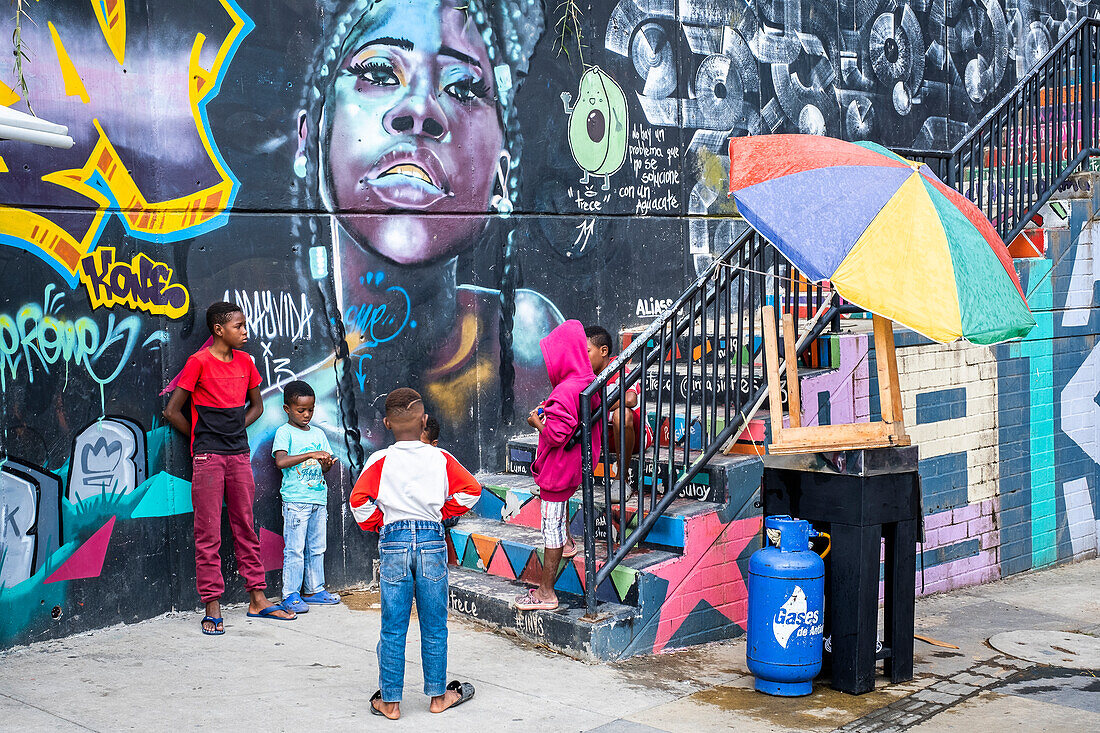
<point>507,319</point>
<point>306,200</point>
<point>510,31</point>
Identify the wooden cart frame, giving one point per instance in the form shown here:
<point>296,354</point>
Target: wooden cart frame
<point>890,430</point>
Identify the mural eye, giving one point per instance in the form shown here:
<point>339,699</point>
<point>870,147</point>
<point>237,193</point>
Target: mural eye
<point>375,72</point>
<point>597,125</point>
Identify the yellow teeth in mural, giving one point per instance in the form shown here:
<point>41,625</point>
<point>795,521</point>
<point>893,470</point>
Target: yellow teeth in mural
<point>408,169</point>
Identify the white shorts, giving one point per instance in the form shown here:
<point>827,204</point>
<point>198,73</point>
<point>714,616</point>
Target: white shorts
<point>555,521</point>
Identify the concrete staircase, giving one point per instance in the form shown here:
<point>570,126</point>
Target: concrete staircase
<point>683,585</point>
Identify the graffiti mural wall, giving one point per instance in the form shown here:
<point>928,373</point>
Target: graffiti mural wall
<point>396,192</point>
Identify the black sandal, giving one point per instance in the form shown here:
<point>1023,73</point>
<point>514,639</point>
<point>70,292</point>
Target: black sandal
<point>375,711</point>
<point>465,692</point>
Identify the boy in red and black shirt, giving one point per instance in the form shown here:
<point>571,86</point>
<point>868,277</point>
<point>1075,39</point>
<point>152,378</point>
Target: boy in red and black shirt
<point>224,388</point>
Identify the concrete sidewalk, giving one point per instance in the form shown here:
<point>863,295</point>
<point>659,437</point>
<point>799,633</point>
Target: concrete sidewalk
<point>319,671</point>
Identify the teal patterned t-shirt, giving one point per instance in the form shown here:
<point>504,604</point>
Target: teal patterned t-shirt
<point>305,482</point>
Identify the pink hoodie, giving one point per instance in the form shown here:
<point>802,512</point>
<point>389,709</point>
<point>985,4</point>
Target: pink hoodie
<point>557,469</point>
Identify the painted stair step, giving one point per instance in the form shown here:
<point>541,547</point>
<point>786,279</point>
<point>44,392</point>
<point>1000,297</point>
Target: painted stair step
<point>515,552</point>
<point>514,499</point>
<point>721,477</point>
<point>488,599</point>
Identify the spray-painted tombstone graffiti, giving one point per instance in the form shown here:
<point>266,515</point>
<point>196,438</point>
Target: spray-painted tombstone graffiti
<point>108,458</point>
<point>30,520</point>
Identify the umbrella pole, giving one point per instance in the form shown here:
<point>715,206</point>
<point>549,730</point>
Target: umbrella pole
<point>889,391</point>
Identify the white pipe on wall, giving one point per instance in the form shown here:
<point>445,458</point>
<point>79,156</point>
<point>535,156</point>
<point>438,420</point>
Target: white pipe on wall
<point>15,118</point>
<point>38,137</point>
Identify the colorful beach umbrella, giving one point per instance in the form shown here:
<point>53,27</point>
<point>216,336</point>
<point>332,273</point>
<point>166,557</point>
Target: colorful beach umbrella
<point>885,231</point>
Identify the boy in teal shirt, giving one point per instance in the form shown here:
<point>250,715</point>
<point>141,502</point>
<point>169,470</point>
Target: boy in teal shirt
<point>303,453</point>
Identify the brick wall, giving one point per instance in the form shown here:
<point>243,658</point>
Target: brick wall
<point>1009,436</point>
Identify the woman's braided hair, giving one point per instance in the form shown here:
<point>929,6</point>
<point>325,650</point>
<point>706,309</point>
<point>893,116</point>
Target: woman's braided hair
<point>510,29</point>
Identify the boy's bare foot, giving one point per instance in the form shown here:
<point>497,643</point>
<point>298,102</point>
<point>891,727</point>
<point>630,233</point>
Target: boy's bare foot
<point>444,701</point>
<point>259,602</point>
<point>455,694</point>
<point>391,710</point>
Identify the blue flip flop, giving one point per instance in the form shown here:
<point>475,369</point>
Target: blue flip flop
<point>215,621</point>
<point>269,613</point>
<point>322,598</point>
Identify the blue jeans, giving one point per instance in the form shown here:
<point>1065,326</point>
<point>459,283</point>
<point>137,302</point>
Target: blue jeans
<point>413,563</point>
<point>305,531</point>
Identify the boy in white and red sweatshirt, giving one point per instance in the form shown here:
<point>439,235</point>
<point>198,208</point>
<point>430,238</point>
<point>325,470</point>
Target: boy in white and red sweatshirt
<point>404,493</point>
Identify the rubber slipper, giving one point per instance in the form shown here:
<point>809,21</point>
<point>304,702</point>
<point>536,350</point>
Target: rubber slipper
<point>294,602</point>
<point>270,612</point>
<point>322,598</point>
<point>528,602</point>
<point>570,551</point>
<point>465,692</point>
<point>215,621</point>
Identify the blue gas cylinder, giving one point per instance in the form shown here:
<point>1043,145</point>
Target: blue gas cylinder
<point>786,609</point>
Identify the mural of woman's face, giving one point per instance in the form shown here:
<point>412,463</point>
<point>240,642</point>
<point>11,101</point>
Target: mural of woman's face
<point>410,124</point>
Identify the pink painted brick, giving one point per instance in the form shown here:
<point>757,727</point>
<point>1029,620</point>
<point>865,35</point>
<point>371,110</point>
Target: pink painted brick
<point>979,526</point>
<point>965,513</point>
<point>989,540</point>
<point>940,519</point>
<point>930,587</point>
<point>951,534</point>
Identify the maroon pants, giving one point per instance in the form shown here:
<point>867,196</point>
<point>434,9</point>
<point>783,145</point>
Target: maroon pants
<point>215,478</point>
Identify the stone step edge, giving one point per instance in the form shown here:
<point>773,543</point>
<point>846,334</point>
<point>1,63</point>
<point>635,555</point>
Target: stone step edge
<point>681,508</point>
<point>487,599</point>
<point>621,587</point>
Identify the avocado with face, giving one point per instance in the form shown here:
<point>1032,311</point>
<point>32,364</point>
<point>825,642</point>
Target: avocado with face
<point>598,125</point>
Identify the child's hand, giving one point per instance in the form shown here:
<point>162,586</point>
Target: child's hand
<point>327,461</point>
<point>534,420</point>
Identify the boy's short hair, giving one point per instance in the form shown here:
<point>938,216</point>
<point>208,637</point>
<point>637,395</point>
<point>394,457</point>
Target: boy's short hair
<point>296,389</point>
<point>218,314</point>
<point>432,428</point>
<point>400,401</point>
<point>599,336</point>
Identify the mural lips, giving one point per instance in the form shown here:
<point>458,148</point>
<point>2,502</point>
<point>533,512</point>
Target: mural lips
<point>409,177</point>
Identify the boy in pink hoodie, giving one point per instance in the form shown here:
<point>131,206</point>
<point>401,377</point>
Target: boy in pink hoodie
<point>557,468</point>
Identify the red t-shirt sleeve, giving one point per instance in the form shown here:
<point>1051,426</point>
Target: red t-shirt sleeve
<point>192,370</point>
<point>463,490</point>
<point>254,379</point>
<point>364,496</point>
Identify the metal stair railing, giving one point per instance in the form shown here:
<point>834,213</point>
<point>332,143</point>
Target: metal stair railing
<point>1026,147</point>
<point>704,349</point>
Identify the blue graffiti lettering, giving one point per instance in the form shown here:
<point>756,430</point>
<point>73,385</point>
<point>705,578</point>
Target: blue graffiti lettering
<point>36,335</point>
<point>378,323</point>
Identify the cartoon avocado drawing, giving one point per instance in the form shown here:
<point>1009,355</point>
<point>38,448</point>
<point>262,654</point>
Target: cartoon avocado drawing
<point>597,125</point>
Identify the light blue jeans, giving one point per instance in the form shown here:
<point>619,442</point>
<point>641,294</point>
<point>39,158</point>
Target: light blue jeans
<point>413,564</point>
<point>305,532</point>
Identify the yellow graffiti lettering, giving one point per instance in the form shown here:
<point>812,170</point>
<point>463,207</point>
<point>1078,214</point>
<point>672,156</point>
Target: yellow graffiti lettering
<point>140,284</point>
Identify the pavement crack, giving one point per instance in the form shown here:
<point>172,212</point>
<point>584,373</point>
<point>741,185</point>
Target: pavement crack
<point>47,712</point>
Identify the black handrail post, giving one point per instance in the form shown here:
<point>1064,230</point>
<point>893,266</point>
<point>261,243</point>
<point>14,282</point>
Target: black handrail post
<point>1088,71</point>
<point>589,503</point>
